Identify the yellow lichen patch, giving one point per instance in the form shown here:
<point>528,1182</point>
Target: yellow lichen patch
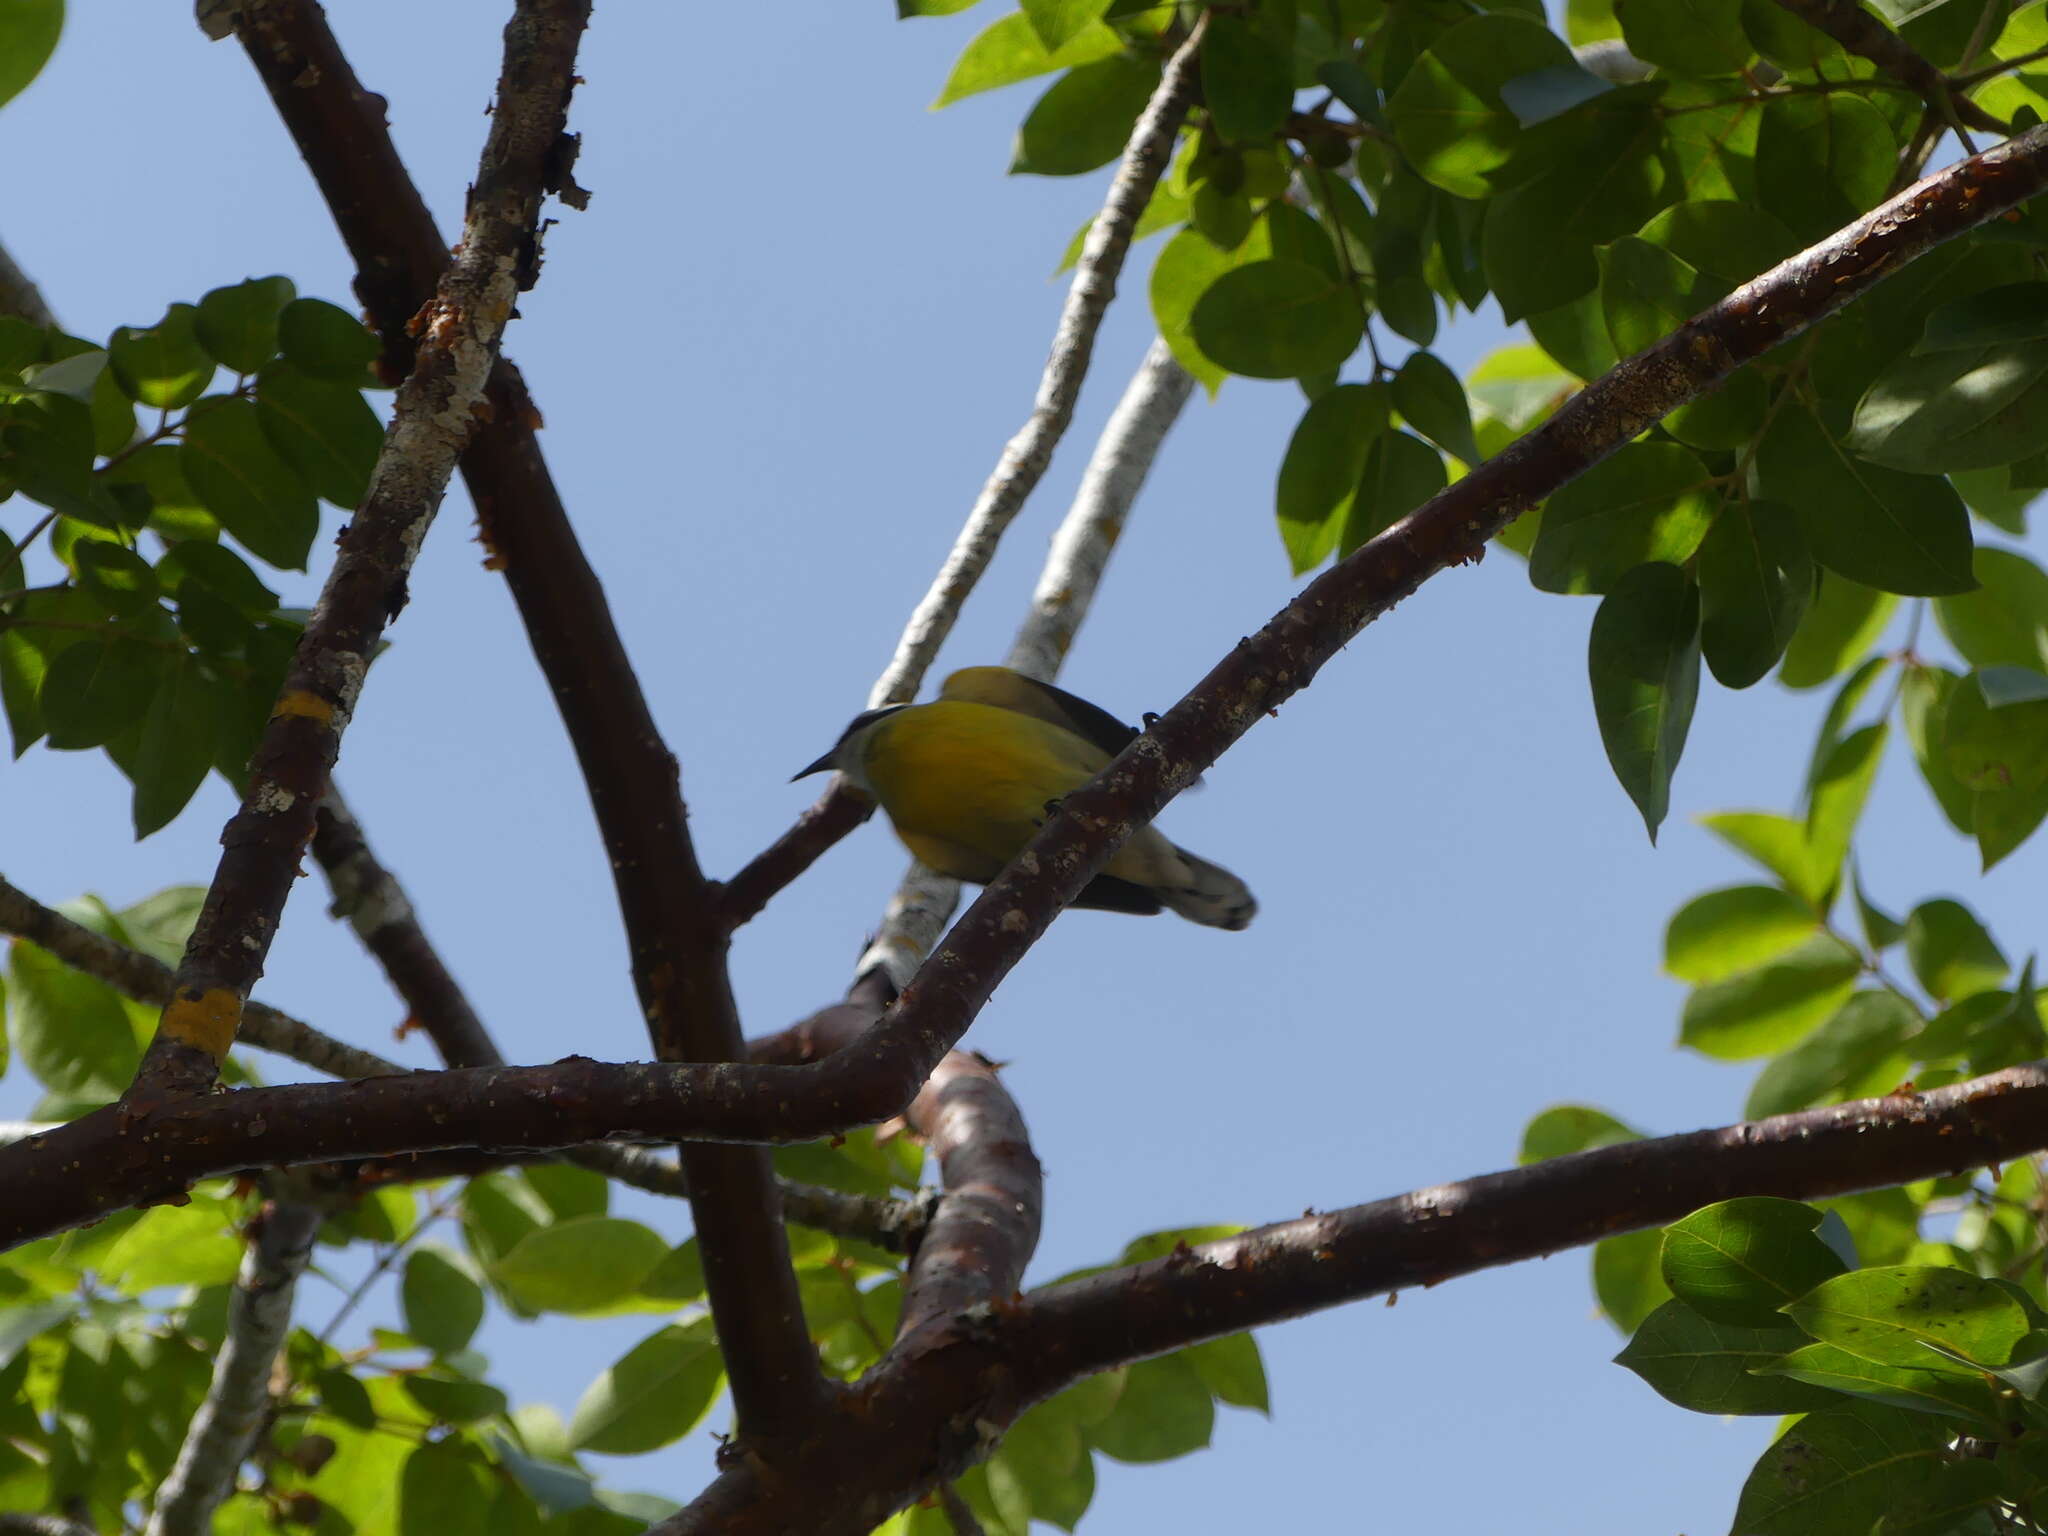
<point>206,1019</point>
<point>310,706</point>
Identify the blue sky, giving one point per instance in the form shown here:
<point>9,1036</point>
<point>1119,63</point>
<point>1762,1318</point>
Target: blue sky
<point>776,357</point>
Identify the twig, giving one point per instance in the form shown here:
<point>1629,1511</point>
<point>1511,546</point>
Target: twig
<point>435,414</point>
<point>838,811</point>
<point>224,1429</point>
<point>1025,456</point>
<point>369,896</point>
<point>958,1515</point>
<point>15,1523</point>
<point>1867,37</point>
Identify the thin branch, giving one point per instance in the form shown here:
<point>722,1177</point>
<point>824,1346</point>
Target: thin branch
<point>148,980</point>
<point>1025,456</point>
<point>222,1432</point>
<point>435,414</point>
<point>369,896</point>
<point>838,811</point>
<point>958,1515</point>
<point>1868,38</point>
<point>1116,472</point>
<point>937,1403</point>
<point>21,298</point>
<point>15,1523</point>
<point>1265,670</point>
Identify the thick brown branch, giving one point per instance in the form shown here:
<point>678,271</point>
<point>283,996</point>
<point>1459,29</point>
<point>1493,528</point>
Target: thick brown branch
<point>926,1414</point>
<point>1265,670</point>
<point>369,896</point>
<point>675,932</point>
<point>1867,37</point>
<point>435,414</point>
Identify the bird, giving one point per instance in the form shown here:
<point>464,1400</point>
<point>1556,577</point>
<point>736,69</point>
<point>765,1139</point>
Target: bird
<point>968,779</point>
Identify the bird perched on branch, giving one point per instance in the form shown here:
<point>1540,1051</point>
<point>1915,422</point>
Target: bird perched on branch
<point>968,779</point>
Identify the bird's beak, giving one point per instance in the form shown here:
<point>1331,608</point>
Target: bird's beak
<point>819,766</point>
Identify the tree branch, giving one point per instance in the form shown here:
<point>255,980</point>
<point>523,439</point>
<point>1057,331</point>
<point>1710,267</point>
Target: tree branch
<point>1868,38</point>
<point>838,811</point>
<point>369,896</point>
<point>675,931</point>
<point>1025,456</point>
<point>937,1402</point>
<point>433,418</point>
<point>1270,667</point>
<point>221,1434</point>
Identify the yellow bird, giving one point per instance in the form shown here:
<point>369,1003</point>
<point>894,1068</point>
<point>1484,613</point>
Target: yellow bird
<point>967,781</point>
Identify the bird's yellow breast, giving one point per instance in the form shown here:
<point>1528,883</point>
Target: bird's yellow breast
<point>966,785</point>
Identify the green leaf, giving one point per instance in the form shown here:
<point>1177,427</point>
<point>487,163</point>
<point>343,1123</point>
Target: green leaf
<point>1825,1365</point>
<point>238,325</point>
<point>96,689</point>
<point>1880,929</point>
<point>76,377</point>
<point>1447,112</point>
<point>454,1400</point>
<point>1564,1129</point>
<point>327,342</point>
<point>1277,319</point>
<point>1188,264</point>
<point>1706,1366</point>
<point>1628,1277</point>
<point>443,1488</point>
<point>116,577</point>
<point>1856,1053</point>
<point>2011,312</point>
<point>570,1191</point>
<point>1998,757</point>
<point>258,497</point>
<point>1165,1411</point>
<point>28,36</point>
<point>1755,582</point>
<point>2005,621</point>
<point>1644,660</point>
<point>221,571</point>
<point>1894,531</point>
<point>1742,1260</point>
<point>582,1265</point>
<point>73,1032</point>
<point>1968,409</point>
<point>1319,477</point>
<point>1685,37</point>
<point>163,365</point>
<point>1924,697</point>
<point>1647,503</point>
<point>1952,954</point>
<point>1840,625</point>
<point>1840,708</point>
<point>176,750</point>
<point>1762,1011</point>
<point>1822,160</point>
<point>1603,174</point>
<point>161,924</point>
<point>656,1393</point>
<point>190,1244</point>
<point>1247,83</point>
<point>1056,21</point>
<point>1726,932</point>
<point>1009,50</point>
<point>1043,1459</point>
<point>442,1305</point>
<point>1844,1469</point>
<point>1084,118</point>
<point>1400,474</point>
<point>323,430</point>
<point>1232,1371</point>
<point>1997,496</point>
<point>1836,805</point>
<point>1892,1314</point>
<point>1539,96</point>
<point>1429,395</point>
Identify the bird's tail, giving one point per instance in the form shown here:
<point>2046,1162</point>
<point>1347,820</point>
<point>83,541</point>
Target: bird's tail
<point>1212,896</point>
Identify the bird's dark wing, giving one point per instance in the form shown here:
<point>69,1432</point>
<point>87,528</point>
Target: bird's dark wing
<point>1106,893</point>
